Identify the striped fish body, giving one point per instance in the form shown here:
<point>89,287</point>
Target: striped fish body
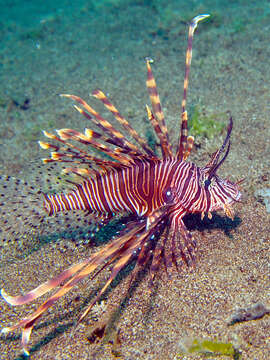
<point>143,188</point>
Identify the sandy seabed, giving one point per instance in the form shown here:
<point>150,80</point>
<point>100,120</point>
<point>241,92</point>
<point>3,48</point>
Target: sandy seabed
<point>230,72</point>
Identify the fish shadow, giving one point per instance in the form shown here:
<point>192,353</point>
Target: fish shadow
<point>193,222</point>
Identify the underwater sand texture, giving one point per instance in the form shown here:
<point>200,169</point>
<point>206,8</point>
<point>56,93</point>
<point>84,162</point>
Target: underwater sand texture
<point>230,72</point>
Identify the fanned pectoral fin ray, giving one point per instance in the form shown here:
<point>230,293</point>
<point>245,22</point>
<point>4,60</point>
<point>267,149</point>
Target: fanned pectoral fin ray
<point>122,246</point>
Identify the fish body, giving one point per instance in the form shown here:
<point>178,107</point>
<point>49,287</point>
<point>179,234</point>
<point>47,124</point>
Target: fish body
<point>146,186</point>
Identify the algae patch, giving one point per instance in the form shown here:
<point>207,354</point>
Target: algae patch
<point>208,126</point>
<point>209,348</point>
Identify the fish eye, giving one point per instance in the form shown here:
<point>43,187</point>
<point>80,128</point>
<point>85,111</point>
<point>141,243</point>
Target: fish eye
<point>168,195</point>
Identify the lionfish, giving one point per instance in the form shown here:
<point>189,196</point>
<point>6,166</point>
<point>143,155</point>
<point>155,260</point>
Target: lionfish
<point>157,191</point>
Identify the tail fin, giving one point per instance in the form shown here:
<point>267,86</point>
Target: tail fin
<point>21,211</point>
<point>25,222</point>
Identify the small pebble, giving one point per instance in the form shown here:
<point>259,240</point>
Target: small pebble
<point>265,195</point>
<point>253,312</point>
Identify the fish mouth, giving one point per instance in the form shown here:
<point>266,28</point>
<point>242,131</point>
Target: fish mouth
<point>227,206</point>
<point>237,198</point>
